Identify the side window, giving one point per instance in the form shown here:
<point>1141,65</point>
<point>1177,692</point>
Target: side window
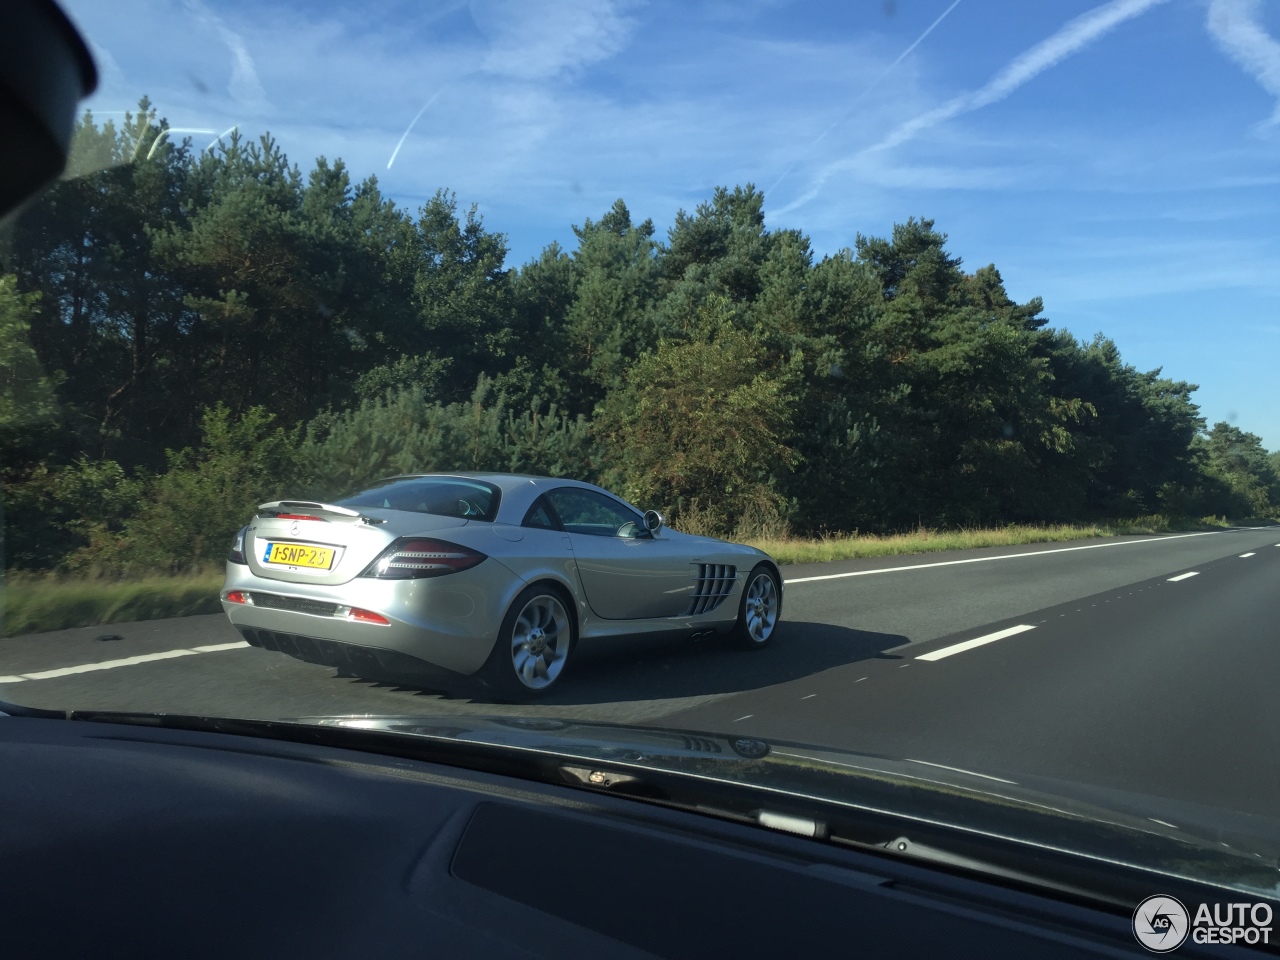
<point>585,511</point>
<point>540,516</point>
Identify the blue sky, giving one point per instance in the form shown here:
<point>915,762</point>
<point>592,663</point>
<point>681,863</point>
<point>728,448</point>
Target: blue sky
<point>1118,159</point>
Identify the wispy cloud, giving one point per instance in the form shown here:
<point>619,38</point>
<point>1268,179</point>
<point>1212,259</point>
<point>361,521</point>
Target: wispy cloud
<point>1236,26</point>
<point>244,86</point>
<point>538,39</point>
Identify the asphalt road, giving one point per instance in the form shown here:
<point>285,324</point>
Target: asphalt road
<point>1111,667</point>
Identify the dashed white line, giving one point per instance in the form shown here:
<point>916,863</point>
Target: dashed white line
<point>1166,823</point>
<point>1184,576</point>
<point>215,647</point>
<point>747,717</point>
<point>809,696</point>
<point>976,642</point>
<point>1004,556</point>
<point>1243,555</point>
<point>123,662</point>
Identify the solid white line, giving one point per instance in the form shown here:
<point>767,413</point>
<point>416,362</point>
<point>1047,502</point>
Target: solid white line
<point>1184,576</point>
<point>975,642</point>
<point>943,766</point>
<point>1004,556</point>
<point>1243,555</point>
<point>124,662</point>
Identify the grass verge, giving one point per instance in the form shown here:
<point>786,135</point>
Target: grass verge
<point>855,546</point>
<point>35,604</point>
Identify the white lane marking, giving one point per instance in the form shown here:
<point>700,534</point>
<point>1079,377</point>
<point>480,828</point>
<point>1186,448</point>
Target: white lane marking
<point>1004,556</point>
<point>943,766</point>
<point>216,647</point>
<point>747,717</point>
<point>1184,576</point>
<point>124,662</point>
<point>1166,823</point>
<point>1243,555</point>
<point>975,642</point>
<point>809,697</point>
<point>860,679</point>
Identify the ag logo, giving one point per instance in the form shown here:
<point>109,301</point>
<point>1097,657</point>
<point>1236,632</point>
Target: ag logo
<point>1161,924</point>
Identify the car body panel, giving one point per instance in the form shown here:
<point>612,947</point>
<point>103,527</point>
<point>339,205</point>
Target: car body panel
<point>633,579</point>
<point>617,586</point>
<point>441,620</point>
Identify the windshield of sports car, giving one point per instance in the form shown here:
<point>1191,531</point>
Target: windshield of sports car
<point>887,380</point>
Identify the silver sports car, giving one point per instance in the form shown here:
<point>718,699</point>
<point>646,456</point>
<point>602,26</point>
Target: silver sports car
<point>495,576</point>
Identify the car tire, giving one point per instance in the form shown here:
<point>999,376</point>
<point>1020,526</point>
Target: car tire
<point>759,609</point>
<point>534,644</point>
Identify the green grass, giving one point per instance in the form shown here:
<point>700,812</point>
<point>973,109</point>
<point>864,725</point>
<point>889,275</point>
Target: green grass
<point>854,546</point>
<point>33,603</point>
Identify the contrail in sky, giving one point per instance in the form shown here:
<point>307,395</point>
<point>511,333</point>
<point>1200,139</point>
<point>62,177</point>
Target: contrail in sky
<point>1237,27</point>
<point>1069,39</point>
<point>416,117</point>
<point>874,83</point>
<point>1072,38</point>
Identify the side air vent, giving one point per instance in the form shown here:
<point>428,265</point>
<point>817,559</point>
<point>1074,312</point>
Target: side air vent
<point>700,744</point>
<point>713,583</point>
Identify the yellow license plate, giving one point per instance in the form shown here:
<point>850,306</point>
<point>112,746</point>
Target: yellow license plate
<point>299,555</point>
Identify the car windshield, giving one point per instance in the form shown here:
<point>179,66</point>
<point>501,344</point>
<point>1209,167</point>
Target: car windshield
<point>443,496</point>
<point>887,380</point>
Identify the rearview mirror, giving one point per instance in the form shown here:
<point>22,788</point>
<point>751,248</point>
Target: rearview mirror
<point>652,521</point>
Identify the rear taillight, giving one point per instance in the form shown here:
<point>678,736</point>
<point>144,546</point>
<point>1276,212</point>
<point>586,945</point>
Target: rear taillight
<point>236,554</point>
<point>238,596</point>
<point>414,557</point>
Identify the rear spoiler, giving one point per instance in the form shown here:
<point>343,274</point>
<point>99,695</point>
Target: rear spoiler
<point>311,508</point>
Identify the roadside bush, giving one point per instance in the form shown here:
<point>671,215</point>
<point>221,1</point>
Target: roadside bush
<point>188,515</point>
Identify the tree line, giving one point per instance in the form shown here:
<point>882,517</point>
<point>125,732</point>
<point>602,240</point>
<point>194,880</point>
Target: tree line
<point>184,334</point>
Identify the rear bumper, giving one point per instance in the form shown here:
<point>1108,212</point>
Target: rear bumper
<point>450,622</point>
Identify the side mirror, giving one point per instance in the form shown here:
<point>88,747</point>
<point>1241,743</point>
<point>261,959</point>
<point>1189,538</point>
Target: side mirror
<point>652,521</point>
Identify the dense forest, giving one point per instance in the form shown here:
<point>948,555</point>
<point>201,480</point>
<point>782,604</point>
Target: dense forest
<point>185,334</point>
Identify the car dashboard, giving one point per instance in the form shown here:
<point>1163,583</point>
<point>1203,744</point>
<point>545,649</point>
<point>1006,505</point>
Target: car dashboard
<point>135,841</point>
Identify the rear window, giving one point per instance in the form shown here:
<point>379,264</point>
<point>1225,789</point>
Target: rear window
<point>440,496</point>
